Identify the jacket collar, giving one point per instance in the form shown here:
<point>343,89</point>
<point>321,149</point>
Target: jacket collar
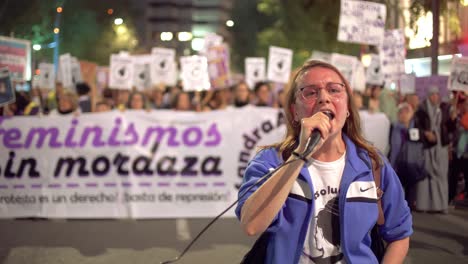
<point>357,162</point>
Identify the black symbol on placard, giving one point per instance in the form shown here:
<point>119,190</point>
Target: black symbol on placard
<point>142,76</point>
<point>255,73</point>
<point>376,70</point>
<point>280,64</point>
<point>162,64</point>
<point>46,75</point>
<point>73,79</point>
<point>121,72</point>
<point>463,78</point>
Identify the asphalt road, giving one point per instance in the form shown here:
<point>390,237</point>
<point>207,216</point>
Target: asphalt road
<point>437,239</point>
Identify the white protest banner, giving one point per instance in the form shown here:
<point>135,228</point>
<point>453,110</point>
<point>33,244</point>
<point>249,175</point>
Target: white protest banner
<point>7,92</point>
<point>320,55</point>
<point>47,75</point>
<point>76,75</point>
<point>346,64</point>
<point>279,64</point>
<point>163,66</point>
<point>393,55</point>
<point>141,71</point>
<point>458,79</point>
<point>121,72</point>
<point>136,164</point>
<point>65,68</point>
<point>194,71</point>
<point>16,55</point>
<point>211,39</point>
<point>254,70</point>
<point>374,74</point>
<point>362,22</point>
<point>407,84</point>
<point>218,66</point>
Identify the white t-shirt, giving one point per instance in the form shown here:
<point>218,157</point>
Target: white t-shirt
<point>322,244</point>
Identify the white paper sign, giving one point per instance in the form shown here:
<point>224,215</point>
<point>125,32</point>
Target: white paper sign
<point>374,74</point>
<point>141,72</point>
<point>279,64</point>
<point>75,71</point>
<point>359,77</point>
<point>65,68</point>
<point>211,39</point>
<point>194,71</point>
<point>362,22</point>
<point>47,76</point>
<point>376,129</point>
<point>320,55</point>
<point>458,79</point>
<point>346,64</point>
<point>163,66</point>
<point>392,55</point>
<point>121,72</point>
<point>254,70</point>
<point>407,84</point>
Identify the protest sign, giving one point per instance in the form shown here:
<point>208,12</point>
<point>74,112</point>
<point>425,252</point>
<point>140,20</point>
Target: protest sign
<point>254,70</point>
<point>362,22</point>
<point>279,64</point>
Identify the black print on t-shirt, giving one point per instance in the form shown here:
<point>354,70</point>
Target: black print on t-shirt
<point>330,215</point>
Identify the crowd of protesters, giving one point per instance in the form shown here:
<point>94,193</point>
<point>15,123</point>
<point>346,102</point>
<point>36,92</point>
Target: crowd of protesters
<point>442,125</point>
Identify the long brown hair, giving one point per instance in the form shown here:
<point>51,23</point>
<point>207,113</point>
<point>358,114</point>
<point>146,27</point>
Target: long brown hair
<point>352,126</point>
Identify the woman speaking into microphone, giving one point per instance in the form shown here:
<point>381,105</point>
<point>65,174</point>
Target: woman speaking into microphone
<point>323,203</point>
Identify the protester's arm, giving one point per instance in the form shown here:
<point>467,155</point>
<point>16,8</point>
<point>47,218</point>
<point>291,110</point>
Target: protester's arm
<point>396,251</point>
<point>263,205</point>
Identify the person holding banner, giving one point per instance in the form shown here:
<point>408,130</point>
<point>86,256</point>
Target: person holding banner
<point>320,207</point>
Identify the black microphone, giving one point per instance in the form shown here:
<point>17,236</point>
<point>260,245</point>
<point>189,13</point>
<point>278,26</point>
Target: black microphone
<point>314,138</point>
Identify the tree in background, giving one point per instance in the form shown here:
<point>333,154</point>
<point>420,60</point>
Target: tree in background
<point>87,30</point>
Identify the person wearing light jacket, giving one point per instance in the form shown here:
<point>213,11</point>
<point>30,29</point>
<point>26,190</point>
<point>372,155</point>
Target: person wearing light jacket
<point>322,206</point>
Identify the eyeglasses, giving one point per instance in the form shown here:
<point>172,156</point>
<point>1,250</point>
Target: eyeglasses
<point>310,93</point>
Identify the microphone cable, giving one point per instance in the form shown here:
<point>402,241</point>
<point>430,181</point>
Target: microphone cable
<point>227,209</point>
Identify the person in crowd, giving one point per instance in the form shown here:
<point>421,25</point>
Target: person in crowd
<point>67,103</point>
<point>108,97</point>
<point>102,106</point>
<point>241,94</point>
<point>17,107</point>
<point>217,100</point>
<point>84,100</point>
<point>280,98</point>
<point>357,100</point>
<point>122,99</point>
<point>157,98</point>
<point>462,145</point>
<point>459,166</point>
<point>388,104</point>
<point>399,138</point>
<point>373,102</point>
<point>320,207</point>
<point>171,93</point>
<point>35,105</point>
<point>182,102</point>
<point>413,100</point>
<point>432,192</point>
<point>262,91</point>
<point>137,101</point>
